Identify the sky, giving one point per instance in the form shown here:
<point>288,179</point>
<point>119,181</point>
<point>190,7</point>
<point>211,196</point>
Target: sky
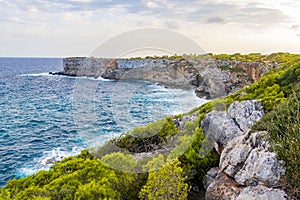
<point>61,28</point>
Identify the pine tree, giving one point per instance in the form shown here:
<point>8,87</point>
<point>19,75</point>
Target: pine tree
<point>166,183</point>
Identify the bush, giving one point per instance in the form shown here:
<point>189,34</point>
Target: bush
<point>146,138</point>
<point>283,126</point>
<point>79,177</point>
<point>166,183</point>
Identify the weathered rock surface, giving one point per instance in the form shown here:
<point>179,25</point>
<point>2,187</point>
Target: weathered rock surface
<point>180,122</point>
<point>260,168</point>
<point>210,176</point>
<point>209,78</point>
<point>247,169</point>
<point>220,129</point>
<point>261,193</point>
<point>222,187</point>
<point>245,113</point>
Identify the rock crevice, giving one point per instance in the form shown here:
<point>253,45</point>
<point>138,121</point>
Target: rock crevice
<point>247,168</point>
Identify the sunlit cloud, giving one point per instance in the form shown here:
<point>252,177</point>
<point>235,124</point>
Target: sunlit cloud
<point>214,24</point>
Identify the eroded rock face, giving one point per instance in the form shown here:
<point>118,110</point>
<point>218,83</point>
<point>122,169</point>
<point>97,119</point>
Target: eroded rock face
<point>225,188</point>
<point>210,176</point>
<point>207,77</point>
<point>261,193</point>
<point>246,163</point>
<point>222,187</point>
<point>260,168</point>
<point>234,156</point>
<point>220,129</point>
<point>245,113</point>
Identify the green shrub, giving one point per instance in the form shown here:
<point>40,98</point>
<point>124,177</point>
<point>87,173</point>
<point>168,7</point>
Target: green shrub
<point>283,126</point>
<point>166,183</point>
<point>145,138</point>
<point>79,177</point>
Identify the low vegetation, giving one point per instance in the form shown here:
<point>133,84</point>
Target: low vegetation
<point>283,126</point>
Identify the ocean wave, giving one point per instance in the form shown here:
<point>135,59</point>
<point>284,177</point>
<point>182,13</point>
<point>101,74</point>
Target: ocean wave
<point>72,77</point>
<point>103,79</point>
<point>38,74</point>
<point>47,160</point>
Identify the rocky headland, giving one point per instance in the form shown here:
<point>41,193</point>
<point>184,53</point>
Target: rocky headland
<point>209,78</point>
<point>248,169</point>
<point>243,146</point>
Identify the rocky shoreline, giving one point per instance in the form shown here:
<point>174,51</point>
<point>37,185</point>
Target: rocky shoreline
<point>247,169</point>
<point>207,77</point>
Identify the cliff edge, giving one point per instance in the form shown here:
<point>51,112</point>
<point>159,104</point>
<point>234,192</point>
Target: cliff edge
<point>209,78</point>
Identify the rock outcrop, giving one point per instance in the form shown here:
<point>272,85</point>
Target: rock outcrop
<point>247,168</point>
<point>209,78</point>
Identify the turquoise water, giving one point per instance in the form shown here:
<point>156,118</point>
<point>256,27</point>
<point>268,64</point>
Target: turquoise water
<point>46,117</point>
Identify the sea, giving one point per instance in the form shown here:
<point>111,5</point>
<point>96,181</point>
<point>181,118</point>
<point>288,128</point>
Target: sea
<point>45,118</point>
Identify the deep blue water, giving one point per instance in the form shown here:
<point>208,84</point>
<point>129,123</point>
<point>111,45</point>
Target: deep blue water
<point>44,116</point>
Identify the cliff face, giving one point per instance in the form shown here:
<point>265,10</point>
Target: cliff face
<point>247,168</point>
<point>209,78</point>
<point>254,70</point>
<point>91,67</point>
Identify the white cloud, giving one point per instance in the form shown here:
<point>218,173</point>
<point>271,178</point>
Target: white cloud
<point>32,9</point>
<point>15,20</point>
<point>151,4</point>
<point>295,27</point>
<point>222,25</point>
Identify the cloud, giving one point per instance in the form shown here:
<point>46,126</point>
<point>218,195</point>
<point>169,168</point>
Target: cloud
<point>205,11</point>
<point>57,6</point>
<point>260,16</point>
<point>171,25</point>
<point>248,14</point>
<point>215,20</point>
<point>86,20</point>
<point>295,27</point>
<point>151,5</point>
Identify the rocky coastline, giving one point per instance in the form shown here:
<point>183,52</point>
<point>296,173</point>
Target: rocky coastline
<point>247,169</point>
<point>209,78</point>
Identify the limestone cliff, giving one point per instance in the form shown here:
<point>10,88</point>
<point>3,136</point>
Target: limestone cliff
<point>209,78</point>
<point>247,168</point>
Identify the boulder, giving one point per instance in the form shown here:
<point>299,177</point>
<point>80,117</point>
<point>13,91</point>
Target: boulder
<point>220,129</point>
<point>261,193</point>
<point>260,168</point>
<point>245,113</point>
<point>234,155</point>
<point>222,187</point>
<point>247,167</point>
<point>248,160</point>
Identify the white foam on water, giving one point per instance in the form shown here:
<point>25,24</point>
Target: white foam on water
<point>186,99</point>
<point>55,75</point>
<point>47,160</point>
<point>103,79</point>
<point>38,74</point>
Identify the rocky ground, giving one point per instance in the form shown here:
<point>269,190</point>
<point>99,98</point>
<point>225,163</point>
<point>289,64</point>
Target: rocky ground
<point>247,168</point>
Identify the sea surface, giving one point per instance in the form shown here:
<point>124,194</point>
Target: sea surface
<point>45,117</point>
